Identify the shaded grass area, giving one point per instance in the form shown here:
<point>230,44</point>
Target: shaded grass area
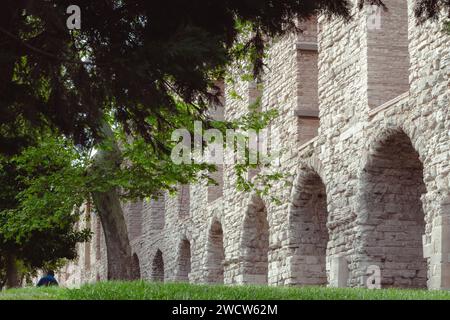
<point>141,290</point>
<point>32,294</point>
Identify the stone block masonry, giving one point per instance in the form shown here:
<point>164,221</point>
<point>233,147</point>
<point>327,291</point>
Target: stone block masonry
<point>364,136</point>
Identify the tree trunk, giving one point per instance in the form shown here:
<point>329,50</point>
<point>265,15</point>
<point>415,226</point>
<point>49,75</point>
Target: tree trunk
<point>12,274</point>
<point>118,249</point>
<point>111,215</point>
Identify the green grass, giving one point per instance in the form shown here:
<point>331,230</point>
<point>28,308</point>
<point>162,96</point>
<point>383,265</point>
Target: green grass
<point>141,290</point>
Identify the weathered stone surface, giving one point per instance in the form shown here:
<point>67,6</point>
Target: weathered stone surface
<point>370,177</point>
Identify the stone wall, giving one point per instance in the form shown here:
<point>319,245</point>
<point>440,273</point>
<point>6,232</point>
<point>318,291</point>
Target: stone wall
<point>362,135</point>
<point>90,265</point>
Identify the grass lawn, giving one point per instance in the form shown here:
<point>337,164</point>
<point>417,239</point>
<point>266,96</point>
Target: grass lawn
<point>141,290</point>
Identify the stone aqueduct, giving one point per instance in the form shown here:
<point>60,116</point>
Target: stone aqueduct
<point>364,123</point>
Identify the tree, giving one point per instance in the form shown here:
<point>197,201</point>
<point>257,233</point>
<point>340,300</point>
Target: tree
<point>35,230</point>
<point>130,65</point>
<point>174,47</point>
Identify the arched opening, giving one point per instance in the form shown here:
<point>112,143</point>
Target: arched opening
<point>393,217</point>
<point>215,254</point>
<point>255,243</point>
<point>184,262</point>
<point>157,274</point>
<point>308,231</point>
<point>136,269</point>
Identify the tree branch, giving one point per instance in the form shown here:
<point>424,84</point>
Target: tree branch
<point>42,52</point>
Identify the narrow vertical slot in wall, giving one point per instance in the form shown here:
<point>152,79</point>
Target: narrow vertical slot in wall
<point>387,52</point>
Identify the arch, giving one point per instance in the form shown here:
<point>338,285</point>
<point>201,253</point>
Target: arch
<point>184,261</point>
<point>255,243</point>
<point>215,254</point>
<point>157,273</point>
<point>384,132</point>
<point>392,219</point>
<point>308,232</point>
<point>135,267</point>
